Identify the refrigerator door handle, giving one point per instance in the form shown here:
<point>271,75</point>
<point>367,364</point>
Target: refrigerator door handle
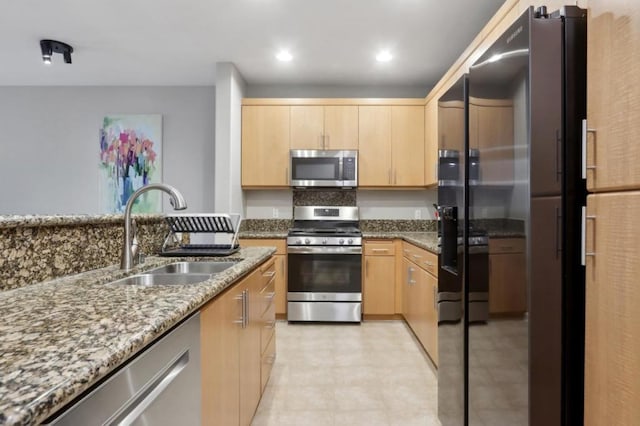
<point>558,231</point>
<point>584,252</point>
<point>585,131</point>
<point>558,155</point>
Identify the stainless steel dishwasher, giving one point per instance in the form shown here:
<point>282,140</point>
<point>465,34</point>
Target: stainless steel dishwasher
<point>161,386</point>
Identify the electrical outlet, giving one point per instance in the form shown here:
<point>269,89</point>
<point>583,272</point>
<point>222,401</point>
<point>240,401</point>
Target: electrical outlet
<point>417,214</point>
<point>276,213</point>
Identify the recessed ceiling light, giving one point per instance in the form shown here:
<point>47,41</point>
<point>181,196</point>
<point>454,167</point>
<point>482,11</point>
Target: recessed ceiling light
<point>384,56</point>
<point>284,56</point>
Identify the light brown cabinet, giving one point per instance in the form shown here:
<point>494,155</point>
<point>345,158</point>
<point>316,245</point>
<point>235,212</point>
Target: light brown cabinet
<point>265,146</point>
<point>391,148</point>
<point>379,277</point>
<point>324,127</point>
<point>431,143</point>
<point>613,95</point>
<point>281,270</point>
<point>612,365</point>
<point>233,356</point>
<point>507,276</point>
<point>612,343</point>
<point>420,287</point>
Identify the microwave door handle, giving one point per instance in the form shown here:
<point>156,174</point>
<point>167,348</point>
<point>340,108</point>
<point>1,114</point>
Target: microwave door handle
<point>341,170</point>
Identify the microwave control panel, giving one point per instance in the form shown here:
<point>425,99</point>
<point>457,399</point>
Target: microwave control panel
<point>349,168</point>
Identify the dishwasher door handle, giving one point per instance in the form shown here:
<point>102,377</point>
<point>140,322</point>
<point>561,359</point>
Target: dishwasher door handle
<point>148,394</point>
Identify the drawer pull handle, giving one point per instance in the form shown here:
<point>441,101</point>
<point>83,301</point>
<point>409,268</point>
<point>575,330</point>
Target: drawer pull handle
<point>379,250</point>
<point>415,256</point>
<point>269,274</point>
<point>429,264</point>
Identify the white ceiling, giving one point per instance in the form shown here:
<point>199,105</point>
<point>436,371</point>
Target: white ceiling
<point>171,42</point>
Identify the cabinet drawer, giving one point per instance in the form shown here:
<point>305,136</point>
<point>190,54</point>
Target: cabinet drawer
<point>379,248</point>
<point>267,297</point>
<point>268,272</point>
<point>279,244</point>
<point>506,245</point>
<point>268,327</point>
<point>421,257</point>
<point>268,359</point>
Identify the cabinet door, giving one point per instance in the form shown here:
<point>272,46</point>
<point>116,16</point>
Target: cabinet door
<point>307,126</point>
<point>281,284</point>
<point>265,145</point>
<point>249,347</point>
<point>408,279</point>
<point>220,368</point>
<point>374,155</point>
<point>612,342</point>
<point>341,127</point>
<point>378,289</point>
<point>613,95</point>
<point>431,143</point>
<point>495,142</point>
<point>407,145</point>
<point>431,325</point>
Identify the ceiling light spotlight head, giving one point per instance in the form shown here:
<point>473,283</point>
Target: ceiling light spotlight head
<point>384,56</point>
<point>49,47</point>
<point>284,56</point>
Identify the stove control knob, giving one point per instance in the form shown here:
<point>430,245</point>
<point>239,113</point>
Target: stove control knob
<point>307,241</point>
<point>298,241</point>
<point>324,241</point>
<point>341,241</point>
<point>350,241</point>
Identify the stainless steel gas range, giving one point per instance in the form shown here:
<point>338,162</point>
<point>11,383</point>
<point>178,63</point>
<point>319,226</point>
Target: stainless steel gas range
<point>324,250</point>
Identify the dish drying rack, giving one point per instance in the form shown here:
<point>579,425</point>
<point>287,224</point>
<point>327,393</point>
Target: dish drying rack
<point>226,225</point>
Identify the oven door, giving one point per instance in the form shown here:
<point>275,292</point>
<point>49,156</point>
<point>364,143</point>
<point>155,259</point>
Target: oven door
<point>324,273</point>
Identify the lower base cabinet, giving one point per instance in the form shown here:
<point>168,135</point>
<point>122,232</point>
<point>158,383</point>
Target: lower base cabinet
<point>281,269</point>
<point>232,350</point>
<point>420,287</point>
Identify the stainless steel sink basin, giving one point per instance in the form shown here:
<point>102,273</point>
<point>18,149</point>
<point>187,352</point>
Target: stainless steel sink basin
<point>193,268</point>
<point>163,279</point>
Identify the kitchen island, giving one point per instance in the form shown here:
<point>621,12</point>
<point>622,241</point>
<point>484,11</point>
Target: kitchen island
<point>60,337</point>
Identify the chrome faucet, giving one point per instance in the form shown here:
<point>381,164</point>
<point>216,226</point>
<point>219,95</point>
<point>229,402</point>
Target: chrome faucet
<point>130,245</point>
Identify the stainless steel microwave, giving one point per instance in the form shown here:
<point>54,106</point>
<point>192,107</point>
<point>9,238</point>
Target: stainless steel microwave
<point>311,168</point>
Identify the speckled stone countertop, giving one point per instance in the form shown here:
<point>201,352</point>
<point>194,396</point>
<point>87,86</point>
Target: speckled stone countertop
<point>59,337</point>
<point>262,234</point>
<point>13,221</point>
<point>425,240</point>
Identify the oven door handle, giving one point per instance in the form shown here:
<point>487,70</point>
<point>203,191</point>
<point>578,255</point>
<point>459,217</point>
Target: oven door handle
<point>324,250</point>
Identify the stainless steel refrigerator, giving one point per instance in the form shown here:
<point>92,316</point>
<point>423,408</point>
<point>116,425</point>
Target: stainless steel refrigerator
<point>510,167</point>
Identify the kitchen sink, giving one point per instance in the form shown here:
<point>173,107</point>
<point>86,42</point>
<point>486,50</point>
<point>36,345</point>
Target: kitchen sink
<point>193,268</point>
<point>158,279</point>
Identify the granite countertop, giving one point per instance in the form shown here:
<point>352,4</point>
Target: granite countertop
<point>263,234</point>
<point>425,240</point>
<point>14,221</point>
<point>59,337</point>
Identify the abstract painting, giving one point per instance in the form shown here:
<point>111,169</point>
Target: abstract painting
<point>130,157</point>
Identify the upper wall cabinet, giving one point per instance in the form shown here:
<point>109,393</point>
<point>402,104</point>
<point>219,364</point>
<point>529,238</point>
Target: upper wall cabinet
<point>265,146</point>
<point>324,127</point>
<point>613,95</point>
<point>391,146</point>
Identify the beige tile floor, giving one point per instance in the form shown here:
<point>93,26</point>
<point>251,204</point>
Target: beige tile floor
<point>370,374</point>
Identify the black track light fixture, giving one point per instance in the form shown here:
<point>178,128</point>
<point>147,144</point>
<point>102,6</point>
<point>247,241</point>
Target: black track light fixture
<point>49,47</point>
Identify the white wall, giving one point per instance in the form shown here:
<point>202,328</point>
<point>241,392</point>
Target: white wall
<point>374,204</point>
<point>401,204</point>
<point>267,204</point>
<point>49,144</point>
<point>230,89</point>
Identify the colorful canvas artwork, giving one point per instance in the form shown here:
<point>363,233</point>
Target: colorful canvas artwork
<point>130,157</point>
